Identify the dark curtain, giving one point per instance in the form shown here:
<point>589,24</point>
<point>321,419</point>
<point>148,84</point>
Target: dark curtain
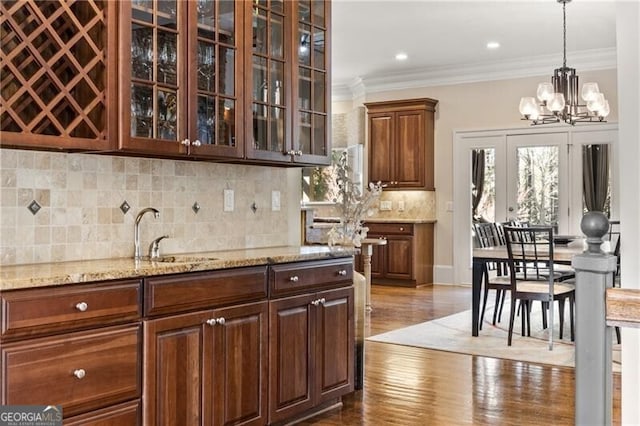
<point>477,178</point>
<point>595,176</point>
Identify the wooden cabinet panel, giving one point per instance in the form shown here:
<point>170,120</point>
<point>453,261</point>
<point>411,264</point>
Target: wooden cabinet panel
<point>66,308</point>
<point>399,259</point>
<point>303,276</point>
<point>175,293</point>
<point>80,371</point>
<point>127,414</point>
<point>401,140</point>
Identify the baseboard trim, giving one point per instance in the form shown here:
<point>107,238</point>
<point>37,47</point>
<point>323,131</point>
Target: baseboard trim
<point>443,274</point>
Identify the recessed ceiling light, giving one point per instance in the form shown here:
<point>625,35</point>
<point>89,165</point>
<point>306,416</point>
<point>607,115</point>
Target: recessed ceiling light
<point>493,45</point>
<point>401,57</point>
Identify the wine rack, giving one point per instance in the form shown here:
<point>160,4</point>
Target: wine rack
<point>54,73</point>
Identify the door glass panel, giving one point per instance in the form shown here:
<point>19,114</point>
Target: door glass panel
<point>483,181</point>
<point>304,10</point>
<point>277,129</point>
<point>318,92</point>
<point>305,132</point>
<point>537,185</point>
<point>318,12</point>
<point>206,14</point>
<point>141,10</point>
<point>260,89</point>
<point>167,115</point>
<point>318,48</point>
<point>304,45</point>
<point>167,58</point>
<point>206,66</point>
<point>304,89</point>
<point>277,88</point>
<point>259,31</point>
<point>596,178</point>
<point>206,119</point>
<point>226,21</point>
<point>226,122</point>
<point>319,128</point>
<point>141,111</point>
<point>260,126</point>
<point>277,50</point>
<point>167,13</point>
<point>227,71</point>
<point>277,6</point>
<point>142,52</point>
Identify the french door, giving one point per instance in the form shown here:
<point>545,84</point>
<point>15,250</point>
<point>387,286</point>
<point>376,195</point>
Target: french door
<point>531,175</point>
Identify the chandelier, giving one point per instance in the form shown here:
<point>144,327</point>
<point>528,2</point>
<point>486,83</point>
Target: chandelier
<point>559,99</point>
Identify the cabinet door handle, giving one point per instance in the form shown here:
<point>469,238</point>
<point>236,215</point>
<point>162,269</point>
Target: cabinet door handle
<point>315,302</point>
<point>322,301</point>
<point>212,321</point>
<point>294,279</point>
<point>196,143</point>
<point>221,321</point>
<point>185,142</point>
<point>342,272</point>
<point>299,153</point>
<point>82,306</point>
<point>80,373</point>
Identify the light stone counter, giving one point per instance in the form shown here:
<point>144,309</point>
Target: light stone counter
<point>60,273</point>
<point>396,220</point>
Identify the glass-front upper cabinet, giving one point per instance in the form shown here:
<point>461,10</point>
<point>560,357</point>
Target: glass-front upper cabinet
<point>269,130</point>
<point>179,65</point>
<point>311,129</point>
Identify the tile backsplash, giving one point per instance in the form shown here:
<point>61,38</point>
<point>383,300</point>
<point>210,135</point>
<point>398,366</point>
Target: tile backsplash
<point>80,197</point>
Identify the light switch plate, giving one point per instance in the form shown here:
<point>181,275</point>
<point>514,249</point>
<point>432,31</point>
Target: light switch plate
<point>401,206</point>
<point>275,201</point>
<point>228,200</point>
<point>386,205</point>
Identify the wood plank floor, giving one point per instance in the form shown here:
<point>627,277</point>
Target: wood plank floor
<point>413,386</point>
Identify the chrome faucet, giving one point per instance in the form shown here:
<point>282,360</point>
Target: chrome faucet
<point>137,255</point>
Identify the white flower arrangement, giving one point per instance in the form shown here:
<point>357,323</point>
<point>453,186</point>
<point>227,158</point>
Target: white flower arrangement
<point>352,205</point>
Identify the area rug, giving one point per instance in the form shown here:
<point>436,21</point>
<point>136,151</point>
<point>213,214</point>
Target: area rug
<point>453,334</point>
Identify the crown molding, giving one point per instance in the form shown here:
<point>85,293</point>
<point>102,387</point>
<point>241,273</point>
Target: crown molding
<point>585,60</point>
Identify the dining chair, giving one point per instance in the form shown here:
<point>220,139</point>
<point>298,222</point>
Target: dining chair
<point>532,277</point>
<point>495,272</point>
<point>614,247</point>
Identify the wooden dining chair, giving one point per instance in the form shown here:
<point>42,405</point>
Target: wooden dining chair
<point>532,277</point>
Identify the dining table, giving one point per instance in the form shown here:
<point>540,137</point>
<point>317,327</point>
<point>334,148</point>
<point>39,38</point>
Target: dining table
<point>562,254</point>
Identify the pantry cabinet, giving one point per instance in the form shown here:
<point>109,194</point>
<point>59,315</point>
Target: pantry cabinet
<point>401,143</point>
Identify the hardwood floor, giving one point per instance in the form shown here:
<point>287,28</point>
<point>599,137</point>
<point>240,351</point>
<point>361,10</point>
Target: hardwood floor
<point>413,386</point>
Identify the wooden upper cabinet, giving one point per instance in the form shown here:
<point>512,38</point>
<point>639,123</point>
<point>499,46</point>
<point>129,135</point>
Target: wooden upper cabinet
<point>287,81</point>
<point>58,68</point>
<point>179,67</point>
<point>401,143</point>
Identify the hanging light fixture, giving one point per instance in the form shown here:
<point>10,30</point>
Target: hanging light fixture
<point>559,100</point>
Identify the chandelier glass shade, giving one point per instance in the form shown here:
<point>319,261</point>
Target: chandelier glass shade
<point>562,100</point>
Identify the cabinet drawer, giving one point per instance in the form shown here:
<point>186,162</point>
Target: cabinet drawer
<point>204,290</point>
<point>127,414</point>
<point>390,228</point>
<point>294,277</point>
<point>80,371</point>
<point>67,308</point>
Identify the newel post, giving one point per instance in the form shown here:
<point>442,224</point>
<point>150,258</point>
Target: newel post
<point>594,274</point>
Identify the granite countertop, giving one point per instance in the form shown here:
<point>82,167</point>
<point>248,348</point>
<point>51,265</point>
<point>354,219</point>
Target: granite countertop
<point>398,220</point>
<point>60,273</point>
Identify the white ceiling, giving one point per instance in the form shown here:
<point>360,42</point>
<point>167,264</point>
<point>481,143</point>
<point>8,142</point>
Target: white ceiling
<point>446,40</point>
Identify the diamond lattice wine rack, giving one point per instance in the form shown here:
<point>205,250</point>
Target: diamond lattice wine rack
<point>54,74</point>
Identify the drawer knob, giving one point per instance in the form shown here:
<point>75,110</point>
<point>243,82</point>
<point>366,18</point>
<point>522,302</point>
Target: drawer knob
<point>315,302</point>
<point>342,272</point>
<point>221,321</point>
<point>322,301</point>
<point>80,373</point>
<point>82,306</point>
<point>214,321</point>
<point>401,228</point>
<point>294,279</point>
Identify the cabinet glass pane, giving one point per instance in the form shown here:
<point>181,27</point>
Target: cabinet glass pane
<point>206,119</point>
<point>226,122</point>
<point>227,71</point>
<point>260,89</point>
<point>277,6</point>
<point>206,66</point>
<point>167,115</point>
<point>277,28</point>
<point>141,52</point>
<point>167,13</point>
<point>259,127</point>
<point>318,48</point>
<point>141,111</point>
<point>318,13</point>
<point>304,143</point>
<point>304,10</point>
<point>205,10</point>
<point>259,31</point>
<point>226,21</point>
<point>277,129</point>
<point>277,86</point>
<point>142,10</point>
<point>318,91</point>
<point>167,58</point>
<point>304,89</point>
<point>304,44</point>
<point>319,129</point>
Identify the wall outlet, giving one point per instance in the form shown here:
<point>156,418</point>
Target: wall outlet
<point>386,205</point>
<point>400,206</point>
<point>449,206</point>
<point>275,201</point>
<point>228,200</point>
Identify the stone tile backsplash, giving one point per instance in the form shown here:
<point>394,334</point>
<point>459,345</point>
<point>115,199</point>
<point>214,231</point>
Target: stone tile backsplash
<point>80,197</point>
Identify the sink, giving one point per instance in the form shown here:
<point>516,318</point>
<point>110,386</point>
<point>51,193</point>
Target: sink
<point>182,259</point>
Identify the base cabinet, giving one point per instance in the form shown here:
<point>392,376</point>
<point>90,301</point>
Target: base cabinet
<point>207,367</point>
<point>319,326</point>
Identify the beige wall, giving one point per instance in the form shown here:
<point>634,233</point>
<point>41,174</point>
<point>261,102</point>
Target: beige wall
<point>80,195</point>
<point>484,105</point>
